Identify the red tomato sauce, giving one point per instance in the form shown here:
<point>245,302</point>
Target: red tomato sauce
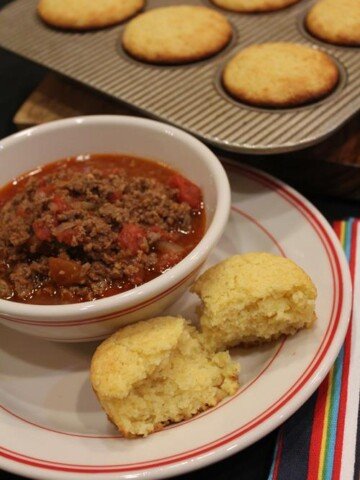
<point>93,226</point>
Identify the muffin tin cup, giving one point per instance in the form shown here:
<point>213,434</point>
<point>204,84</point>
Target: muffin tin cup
<point>191,96</point>
<point>331,97</point>
<point>196,63</point>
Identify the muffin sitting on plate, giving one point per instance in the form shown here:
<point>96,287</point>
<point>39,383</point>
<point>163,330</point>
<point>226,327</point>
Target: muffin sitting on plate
<point>254,298</point>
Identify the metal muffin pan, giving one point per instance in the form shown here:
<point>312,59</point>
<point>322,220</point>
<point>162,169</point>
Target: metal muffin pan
<point>191,96</point>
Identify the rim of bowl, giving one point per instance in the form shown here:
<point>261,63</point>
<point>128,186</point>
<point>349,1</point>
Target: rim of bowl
<point>84,310</point>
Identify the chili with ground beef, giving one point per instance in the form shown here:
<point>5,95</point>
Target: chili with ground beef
<point>84,228</point>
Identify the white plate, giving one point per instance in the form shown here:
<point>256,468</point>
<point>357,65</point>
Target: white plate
<point>53,428</point>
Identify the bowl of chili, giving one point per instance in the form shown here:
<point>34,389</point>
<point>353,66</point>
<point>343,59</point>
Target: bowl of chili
<point>104,221</point>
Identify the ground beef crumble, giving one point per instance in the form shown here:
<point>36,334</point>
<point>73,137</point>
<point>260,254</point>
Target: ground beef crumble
<point>76,235</point>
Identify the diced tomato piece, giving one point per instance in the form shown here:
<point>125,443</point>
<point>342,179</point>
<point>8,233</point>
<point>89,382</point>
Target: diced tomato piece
<point>41,230</point>
<point>131,236</point>
<point>65,272</point>
<point>167,260</point>
<point>66,236</point>
<point>188,191</point>
<point>114,196</point>
<point>58,204</point>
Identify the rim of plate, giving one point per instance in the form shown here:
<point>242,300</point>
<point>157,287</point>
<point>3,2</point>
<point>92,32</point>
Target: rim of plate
<point>268,420</point>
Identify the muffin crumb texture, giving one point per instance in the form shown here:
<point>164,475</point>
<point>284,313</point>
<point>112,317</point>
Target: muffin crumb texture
<point>254,298</point>
<point>157,372</point>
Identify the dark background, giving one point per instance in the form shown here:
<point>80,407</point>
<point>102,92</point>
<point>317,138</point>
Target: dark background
<point>17,79</point>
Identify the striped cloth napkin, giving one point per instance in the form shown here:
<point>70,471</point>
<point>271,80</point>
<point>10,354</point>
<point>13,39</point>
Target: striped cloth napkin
<point>321,441</point>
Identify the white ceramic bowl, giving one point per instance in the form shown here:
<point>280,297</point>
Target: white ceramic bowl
<point>87,321</point>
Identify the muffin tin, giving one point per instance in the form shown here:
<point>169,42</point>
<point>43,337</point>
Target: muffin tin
<point>191,96</point>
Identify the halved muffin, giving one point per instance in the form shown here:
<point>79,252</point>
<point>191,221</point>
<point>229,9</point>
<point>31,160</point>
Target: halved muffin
<point>157,372</point>
<point>254,298</point>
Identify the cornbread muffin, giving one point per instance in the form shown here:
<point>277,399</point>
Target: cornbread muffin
<point>335,21</point>
<point>176,34</point>
<point>254,298</point>
<point>157,372</point>
<point>252,6</point>
<point>280,75</point>
<point>87,14</point>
